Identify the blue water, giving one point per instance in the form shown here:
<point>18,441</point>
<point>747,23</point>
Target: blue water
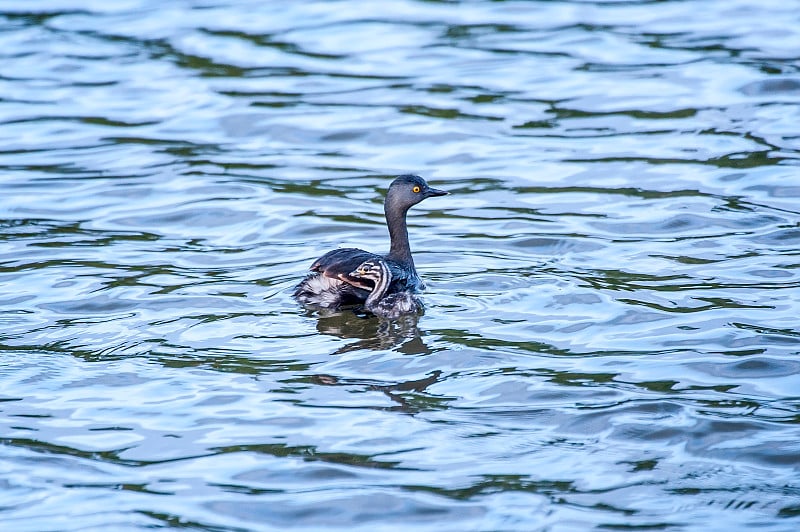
<point>611,338</point>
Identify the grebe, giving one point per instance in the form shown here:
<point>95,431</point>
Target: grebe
<point>380,303</point>
<point>331,285</point>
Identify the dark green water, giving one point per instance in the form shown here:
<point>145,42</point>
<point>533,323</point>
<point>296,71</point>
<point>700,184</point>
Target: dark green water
<point>612,335</point>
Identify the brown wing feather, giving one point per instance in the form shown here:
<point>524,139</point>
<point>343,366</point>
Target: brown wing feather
<point>357,282</point>
<point>340,262</point>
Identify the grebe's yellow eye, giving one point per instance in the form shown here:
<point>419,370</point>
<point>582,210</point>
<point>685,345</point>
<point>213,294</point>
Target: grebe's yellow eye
<point>415,189</point>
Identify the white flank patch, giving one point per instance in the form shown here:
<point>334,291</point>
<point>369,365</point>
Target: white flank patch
<point>325,291</point>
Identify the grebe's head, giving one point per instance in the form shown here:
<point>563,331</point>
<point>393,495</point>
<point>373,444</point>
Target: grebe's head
<point>407,190</point>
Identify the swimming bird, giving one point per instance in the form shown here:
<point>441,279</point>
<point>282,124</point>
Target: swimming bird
<point>380,303</point>
<point>330,283</point>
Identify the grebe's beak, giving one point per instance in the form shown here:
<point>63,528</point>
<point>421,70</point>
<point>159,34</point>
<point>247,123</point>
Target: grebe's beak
<point>435,192</point>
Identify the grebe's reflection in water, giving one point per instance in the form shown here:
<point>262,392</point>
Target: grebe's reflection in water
<point>410,396</point>
<point>401,334</point>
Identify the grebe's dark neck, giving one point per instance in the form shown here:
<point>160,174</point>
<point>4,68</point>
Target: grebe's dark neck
<point>400,249</point>
<point>381,285</point>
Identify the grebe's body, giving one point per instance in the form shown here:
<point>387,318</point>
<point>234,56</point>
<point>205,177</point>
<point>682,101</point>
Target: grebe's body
<point>331,283</point>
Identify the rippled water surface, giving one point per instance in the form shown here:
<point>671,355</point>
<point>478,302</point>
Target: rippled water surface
<point>612,334</point>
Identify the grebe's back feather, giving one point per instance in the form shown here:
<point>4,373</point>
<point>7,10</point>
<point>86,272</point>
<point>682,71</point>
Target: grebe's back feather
<point>339,263</point>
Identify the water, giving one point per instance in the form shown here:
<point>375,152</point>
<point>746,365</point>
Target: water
<point>611,338</point>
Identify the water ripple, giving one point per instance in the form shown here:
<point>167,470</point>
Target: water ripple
<point>610,336</point>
